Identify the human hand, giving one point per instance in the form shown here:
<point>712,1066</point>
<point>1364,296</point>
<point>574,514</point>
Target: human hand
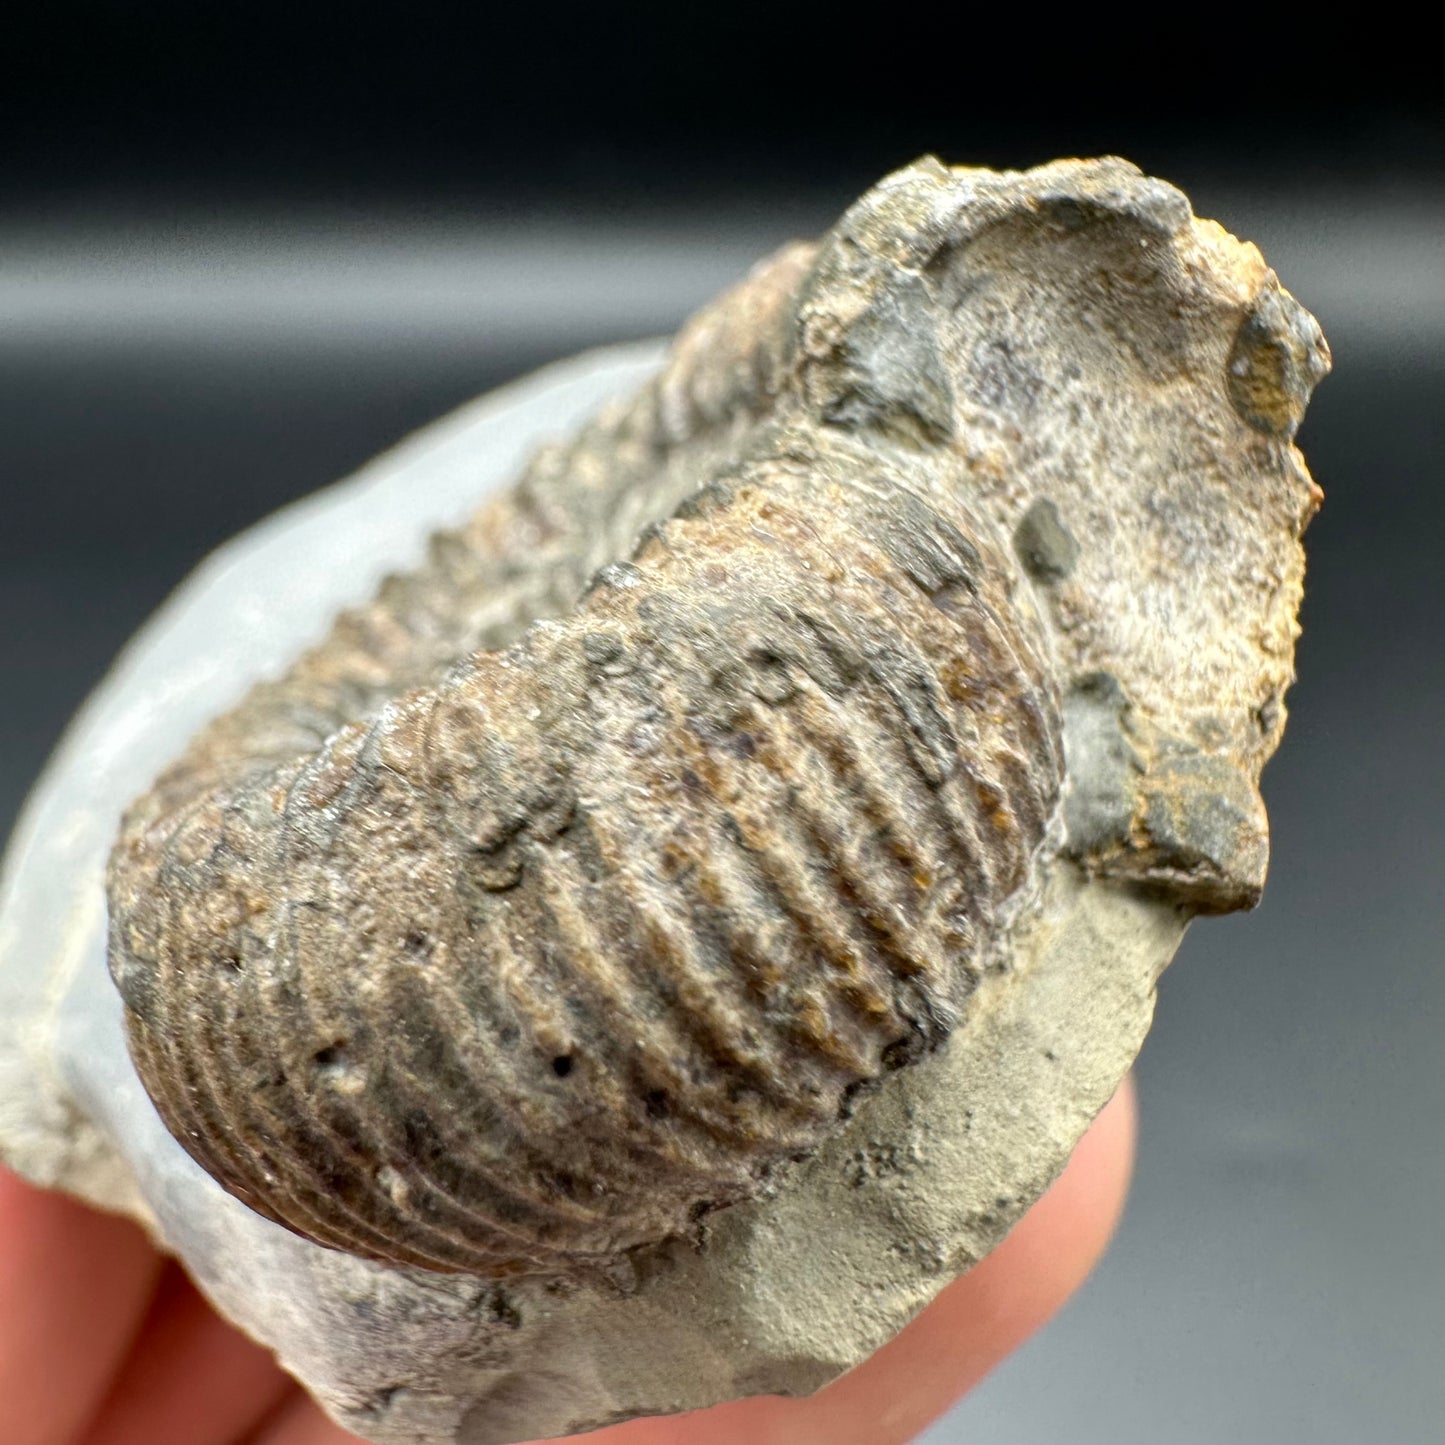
<point>104,1343</point>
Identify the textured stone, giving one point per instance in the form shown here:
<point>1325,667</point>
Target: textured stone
<point>1045,419</point>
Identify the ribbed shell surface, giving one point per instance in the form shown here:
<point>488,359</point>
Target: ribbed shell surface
<point>543,909</point>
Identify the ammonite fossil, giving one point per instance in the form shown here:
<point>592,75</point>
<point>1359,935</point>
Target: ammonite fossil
<point>692,911</point>
<point>595,869</point>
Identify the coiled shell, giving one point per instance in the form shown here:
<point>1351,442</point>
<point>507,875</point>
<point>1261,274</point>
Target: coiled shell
<point>578,882</point>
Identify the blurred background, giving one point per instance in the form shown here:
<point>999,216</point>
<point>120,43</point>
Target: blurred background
<point>242,248</point>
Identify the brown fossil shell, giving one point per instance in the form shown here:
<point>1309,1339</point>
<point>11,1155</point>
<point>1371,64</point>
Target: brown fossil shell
<point>580,880</point>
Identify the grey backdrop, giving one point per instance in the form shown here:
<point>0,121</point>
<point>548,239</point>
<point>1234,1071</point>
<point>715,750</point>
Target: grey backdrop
<point>167,378</point>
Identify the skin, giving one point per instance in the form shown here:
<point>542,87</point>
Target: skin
<point>104,1343</point>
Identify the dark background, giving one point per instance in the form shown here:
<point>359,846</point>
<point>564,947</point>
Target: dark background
<point>242,248</point>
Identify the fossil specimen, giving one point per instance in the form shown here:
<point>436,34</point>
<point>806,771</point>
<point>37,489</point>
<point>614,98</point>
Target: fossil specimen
<point>541,961</point>
<point>767,819</point>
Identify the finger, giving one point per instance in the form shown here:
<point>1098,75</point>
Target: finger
<point>967,1330</point>
<point>74,1287</point>
<point>189,1377</point>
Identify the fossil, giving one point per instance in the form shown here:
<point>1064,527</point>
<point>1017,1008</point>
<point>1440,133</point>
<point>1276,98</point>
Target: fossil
<point>766,818</point>
<point>541,960</point>
<point>586,874</point>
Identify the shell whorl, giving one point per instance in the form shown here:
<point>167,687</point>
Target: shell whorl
<point>537,964</point>
<point>545,957</point>
<point>581,879</point>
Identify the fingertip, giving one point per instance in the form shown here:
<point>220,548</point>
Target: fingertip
<point>75,1285</point>
<point>189,1377</point>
